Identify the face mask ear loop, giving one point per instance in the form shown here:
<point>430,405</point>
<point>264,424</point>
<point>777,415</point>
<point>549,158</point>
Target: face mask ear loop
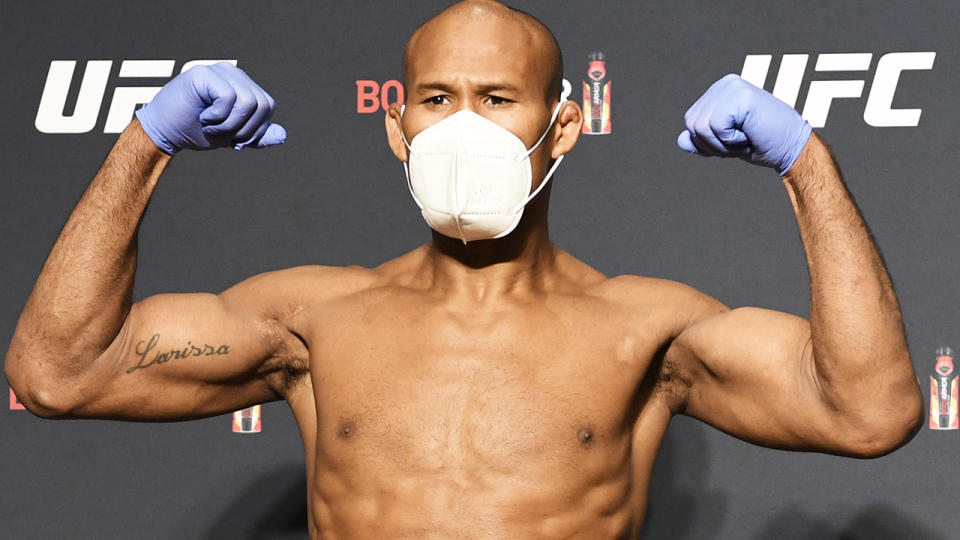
<point>406,171</point>
<point>546,179</point>
<point>553,118</point>
<point>402,134</point>
<point>406,167</point>
<point>556,163</point>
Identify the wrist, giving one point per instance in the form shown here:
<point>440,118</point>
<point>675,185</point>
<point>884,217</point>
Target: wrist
<point>144,143</point>
<point>804,155</point>
<point>813,156</point>
<point>140,156</point>
<point>796,149</point>
<point>157,138</point>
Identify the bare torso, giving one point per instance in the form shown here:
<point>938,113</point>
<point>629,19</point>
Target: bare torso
<point>534,417</point>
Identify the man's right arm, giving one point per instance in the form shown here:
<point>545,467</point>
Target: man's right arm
<point>82,348</point>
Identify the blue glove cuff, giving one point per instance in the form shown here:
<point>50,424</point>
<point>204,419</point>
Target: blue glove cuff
<point>791,156</point>
<point>162,143</point>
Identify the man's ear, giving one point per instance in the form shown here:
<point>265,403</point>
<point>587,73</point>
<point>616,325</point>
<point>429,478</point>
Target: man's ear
<point>567,129</point>
<point>392,122</point>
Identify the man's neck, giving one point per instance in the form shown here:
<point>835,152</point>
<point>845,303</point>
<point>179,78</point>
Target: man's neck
<point>486,270</point>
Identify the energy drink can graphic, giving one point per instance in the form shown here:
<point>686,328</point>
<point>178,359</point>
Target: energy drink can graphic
<point>15,404</point>
<point>247,420</point>
<point>943,392</point>
<point>596,96</point>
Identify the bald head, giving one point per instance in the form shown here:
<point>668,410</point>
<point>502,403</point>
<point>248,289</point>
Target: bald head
<point>472,20</point>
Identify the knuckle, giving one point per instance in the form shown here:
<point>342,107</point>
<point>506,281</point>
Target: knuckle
<point>703,124</point>
<point>745,94</point>
<point>199,72</point>
<point>246,104</point>
<point>716,123</point>
<point>245,99</point>
<point>230,94</point>
<point>228,68</point>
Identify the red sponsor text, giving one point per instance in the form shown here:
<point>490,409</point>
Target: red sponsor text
<point>373,96</point>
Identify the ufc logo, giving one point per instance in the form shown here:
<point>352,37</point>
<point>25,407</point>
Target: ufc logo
<point>879,111</point>
<point>86,113</point>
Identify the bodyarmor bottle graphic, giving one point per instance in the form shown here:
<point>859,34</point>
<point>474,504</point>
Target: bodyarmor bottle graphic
<point>247,420</point>
<point>596,96</point>
<point>943,392</point>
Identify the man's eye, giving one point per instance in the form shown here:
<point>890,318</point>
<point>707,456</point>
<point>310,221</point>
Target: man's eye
<point>436,100</point>
<point>497,100</point>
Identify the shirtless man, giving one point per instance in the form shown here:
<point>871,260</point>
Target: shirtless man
<point>495,388</point>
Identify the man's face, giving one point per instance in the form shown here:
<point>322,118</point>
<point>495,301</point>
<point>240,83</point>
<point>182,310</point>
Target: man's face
<point>491,66</point>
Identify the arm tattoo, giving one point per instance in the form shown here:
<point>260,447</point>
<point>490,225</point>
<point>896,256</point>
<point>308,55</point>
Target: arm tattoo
<point>148,356</point>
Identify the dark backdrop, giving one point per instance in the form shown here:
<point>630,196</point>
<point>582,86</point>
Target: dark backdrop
<point>628,202</point>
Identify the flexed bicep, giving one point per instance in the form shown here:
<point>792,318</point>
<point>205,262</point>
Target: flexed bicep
<point>753,375</point>
<point>182,356</point>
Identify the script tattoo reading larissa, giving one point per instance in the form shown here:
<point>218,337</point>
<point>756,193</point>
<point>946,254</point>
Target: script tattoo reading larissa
<point>144,348</point>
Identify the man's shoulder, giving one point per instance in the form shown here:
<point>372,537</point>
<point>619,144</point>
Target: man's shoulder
<point>317,281</point>
<point>631,288</point>
<point>633,291</point>
<point>311,284</point>
<point>679,301</point>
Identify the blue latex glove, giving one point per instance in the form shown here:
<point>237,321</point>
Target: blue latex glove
<point>734,118</point>
<point>208,107</point>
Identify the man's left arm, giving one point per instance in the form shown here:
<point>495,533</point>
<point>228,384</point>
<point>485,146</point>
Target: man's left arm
<point>842,382</point>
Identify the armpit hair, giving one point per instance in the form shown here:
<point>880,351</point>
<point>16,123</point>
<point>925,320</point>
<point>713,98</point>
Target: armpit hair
<point>291,361</point>
<point>671,382</point>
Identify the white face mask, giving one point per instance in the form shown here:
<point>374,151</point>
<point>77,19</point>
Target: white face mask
<point>470,177</point>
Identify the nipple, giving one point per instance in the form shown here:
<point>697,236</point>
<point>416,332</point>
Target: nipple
<point>585,435</point>
<point>346,430</point>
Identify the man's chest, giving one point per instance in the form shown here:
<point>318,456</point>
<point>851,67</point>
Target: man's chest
<point>427,387</point>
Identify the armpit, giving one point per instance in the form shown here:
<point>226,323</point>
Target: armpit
<point>288,367</point>
<point>673,382</point>
<point>285,373</point>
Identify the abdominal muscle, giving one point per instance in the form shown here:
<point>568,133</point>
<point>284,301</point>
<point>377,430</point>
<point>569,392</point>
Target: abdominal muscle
<point>381,492</point>
<point>451,461</point>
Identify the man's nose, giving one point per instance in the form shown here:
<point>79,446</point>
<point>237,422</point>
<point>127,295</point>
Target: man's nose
<point>467,105</point>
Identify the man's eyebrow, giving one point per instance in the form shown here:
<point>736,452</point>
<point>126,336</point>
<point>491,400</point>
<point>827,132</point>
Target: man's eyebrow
<point>495,87</point>
<point>443,87</point>
<point>480,88</point>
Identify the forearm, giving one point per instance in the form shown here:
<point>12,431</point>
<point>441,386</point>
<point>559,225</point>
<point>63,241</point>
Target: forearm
<point>83,293</point>
<point>857,342</point>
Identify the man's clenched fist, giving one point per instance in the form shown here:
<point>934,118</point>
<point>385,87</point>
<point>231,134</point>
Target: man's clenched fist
<point>208,107</point>
<point>734,118</point>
